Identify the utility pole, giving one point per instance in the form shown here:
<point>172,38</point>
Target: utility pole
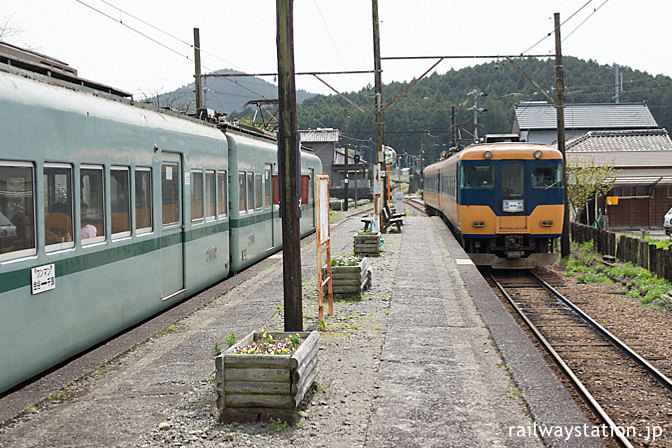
<point>560,114</point>
<point>380,133</point>
<point>452,126</point>
<point>197,71</point>
<point>618,89</point>
<point>347,166</point>
<point>476,110</point>
<point>289,153</point>
<point>422,161</point>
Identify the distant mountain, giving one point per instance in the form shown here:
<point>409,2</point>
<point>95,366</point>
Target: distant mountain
<point>225,94</point>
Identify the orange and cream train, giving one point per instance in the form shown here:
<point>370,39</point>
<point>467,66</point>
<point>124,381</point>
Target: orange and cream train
<point>503,201</point>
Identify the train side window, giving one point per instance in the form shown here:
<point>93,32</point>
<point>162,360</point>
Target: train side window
<point>222,204</point>
<point>267,187</point>
<point>210,195</point>
<point>120,198</point>
<point>512,179</point>
<point>258,192</point>
<point>17,210</point>
<point>250,192</point>
<point>170,194</point>
<point>143,200</point>
<point>58,216</point>
<point>241,192</point>
<point>196,195</point>
<point>92,208</point>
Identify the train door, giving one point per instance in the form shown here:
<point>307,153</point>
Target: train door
<point>172,249</point>
<point>513,199</point>
<point>268,200</point>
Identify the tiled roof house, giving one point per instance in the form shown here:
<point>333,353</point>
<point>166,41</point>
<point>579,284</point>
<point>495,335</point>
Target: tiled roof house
<point>536,121</point>
<point>643,181</point>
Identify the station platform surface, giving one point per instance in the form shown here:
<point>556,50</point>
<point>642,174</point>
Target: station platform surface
<point>441,364</point>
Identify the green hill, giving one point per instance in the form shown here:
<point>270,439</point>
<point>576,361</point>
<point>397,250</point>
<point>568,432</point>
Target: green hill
<point>427,106</point>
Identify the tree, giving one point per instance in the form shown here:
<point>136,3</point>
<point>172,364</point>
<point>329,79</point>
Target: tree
<point>587,180</point>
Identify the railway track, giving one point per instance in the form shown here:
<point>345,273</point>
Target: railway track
<point>630,396</point>
<point>417,206</point>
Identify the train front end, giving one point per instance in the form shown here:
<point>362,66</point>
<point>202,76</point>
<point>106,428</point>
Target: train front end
<point>511,204</point>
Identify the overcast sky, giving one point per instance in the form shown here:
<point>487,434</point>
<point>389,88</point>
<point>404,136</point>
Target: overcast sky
<point>330,35</point>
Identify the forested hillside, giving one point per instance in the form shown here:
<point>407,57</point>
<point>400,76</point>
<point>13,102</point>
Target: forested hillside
<point>426,107</point>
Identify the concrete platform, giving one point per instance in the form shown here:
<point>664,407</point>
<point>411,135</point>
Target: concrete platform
<point>448,354</point>
<point>446,366</point>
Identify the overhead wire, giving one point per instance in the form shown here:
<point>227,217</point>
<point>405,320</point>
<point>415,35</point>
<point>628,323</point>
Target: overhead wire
<point>584,20</point>
<point>566,20</point>
<point>189,44</point>
<point>329,34</point>
<point>121,22</point>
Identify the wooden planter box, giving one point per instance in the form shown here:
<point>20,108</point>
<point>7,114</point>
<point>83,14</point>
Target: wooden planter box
<point>261,387</point>
<point>350,280</point>
<point>367,245</point>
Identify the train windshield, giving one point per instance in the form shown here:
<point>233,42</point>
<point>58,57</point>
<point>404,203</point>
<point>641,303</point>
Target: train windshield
<point>477,176</point>
<point>547,175</point>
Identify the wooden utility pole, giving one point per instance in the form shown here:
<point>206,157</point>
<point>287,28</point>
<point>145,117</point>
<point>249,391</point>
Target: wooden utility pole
<point>560,114</point>
<point>380,133</point>
<point>347,166</point>
<point>288,169</point>
<point>197,70</point>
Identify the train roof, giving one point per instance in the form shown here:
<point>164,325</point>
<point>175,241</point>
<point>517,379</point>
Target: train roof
<point>499,151</point>
<point>509,150</point>
<point>46,65</point>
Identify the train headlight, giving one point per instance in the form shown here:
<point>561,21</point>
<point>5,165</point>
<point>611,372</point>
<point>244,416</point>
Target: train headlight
<point>538,154</point>
<point>546,223</point>
<point>487,155</point>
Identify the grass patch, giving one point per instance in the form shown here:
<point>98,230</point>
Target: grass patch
<point>586,266</point>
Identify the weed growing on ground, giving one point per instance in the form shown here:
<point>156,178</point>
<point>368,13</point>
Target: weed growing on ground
<point>278,425</point>
<point>230,339</point>
<point>217,350</point>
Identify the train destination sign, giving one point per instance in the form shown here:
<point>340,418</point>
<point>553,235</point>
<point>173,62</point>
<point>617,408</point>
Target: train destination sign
<point>42,278</point>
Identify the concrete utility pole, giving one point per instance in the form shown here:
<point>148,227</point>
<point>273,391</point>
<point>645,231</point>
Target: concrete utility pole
<point>560,114</point>
<point>347,166</point>
<point>476,110</point>
<point>618,89</point>
<point>197,70</point>
<point>288,170</point>
<point>452,126</point>
<point>380,132</point>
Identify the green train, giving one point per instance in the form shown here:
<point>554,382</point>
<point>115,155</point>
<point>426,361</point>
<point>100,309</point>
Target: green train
<point>111,212</point>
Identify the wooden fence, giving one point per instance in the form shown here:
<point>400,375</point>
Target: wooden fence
<point>625,248</point>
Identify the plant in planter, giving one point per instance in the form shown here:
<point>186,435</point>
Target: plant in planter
<point>367,244</point>
<point>350,276</point>
<point>265,376</point>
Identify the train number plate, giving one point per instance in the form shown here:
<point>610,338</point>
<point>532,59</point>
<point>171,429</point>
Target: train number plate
<point>513,206</point>
<point>42,278</point>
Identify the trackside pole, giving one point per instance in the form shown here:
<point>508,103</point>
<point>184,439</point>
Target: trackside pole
<point>323,238</point>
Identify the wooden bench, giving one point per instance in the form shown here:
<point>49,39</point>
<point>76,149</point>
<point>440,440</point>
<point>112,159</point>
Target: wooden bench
<point>390,219</point>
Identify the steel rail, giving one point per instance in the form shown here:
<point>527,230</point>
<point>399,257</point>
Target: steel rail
<point>579,386</point>
<point>655,373</point>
